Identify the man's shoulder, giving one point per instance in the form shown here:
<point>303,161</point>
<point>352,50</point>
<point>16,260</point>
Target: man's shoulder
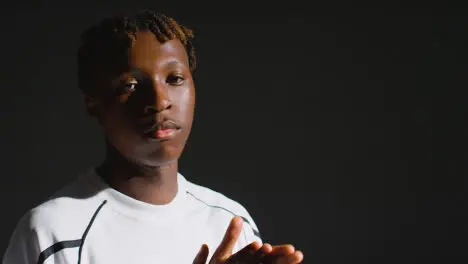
<point>216,201</point>
<point>70,205</point>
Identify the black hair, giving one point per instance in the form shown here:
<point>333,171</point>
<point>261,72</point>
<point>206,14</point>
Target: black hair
<point>112,37</point>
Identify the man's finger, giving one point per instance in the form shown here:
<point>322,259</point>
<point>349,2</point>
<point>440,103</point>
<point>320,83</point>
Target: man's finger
<point>283,250</point>
<point>233,231</point>
<point>263,252</point>
<point>202,255</point>
<point>294,258</point>
<point>251,253</point>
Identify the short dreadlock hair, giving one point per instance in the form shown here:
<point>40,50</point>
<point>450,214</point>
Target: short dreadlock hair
<point>112,37</point>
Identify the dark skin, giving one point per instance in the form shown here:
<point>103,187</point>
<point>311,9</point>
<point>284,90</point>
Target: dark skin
<point>153,90</point>
<point>155,86</point>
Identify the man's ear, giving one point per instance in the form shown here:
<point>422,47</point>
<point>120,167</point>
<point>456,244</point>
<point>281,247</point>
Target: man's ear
<point>92,105</point>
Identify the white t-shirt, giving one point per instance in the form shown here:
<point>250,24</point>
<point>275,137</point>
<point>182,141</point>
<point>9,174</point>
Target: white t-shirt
<point>88,222</point>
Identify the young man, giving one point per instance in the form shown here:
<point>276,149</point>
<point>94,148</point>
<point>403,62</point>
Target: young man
<point>136,75</point>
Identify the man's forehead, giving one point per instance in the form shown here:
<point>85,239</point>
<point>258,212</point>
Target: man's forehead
<point>146,47</point>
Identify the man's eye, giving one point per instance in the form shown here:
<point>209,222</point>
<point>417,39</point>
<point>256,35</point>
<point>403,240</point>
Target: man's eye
<point>175,80</point>
<point>127,88</point>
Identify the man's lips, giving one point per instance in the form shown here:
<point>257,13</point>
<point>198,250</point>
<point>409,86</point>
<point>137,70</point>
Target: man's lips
<point>163,130</point>
<point>163,133</point>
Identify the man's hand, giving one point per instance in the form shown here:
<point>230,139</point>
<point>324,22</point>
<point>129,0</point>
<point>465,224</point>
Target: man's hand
<point>253,253</point>
<point>283,254</point>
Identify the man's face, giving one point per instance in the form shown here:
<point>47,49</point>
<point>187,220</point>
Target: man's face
<point>146,107</point>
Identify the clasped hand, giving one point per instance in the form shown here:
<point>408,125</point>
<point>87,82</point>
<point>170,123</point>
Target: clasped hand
<point>253,253</point>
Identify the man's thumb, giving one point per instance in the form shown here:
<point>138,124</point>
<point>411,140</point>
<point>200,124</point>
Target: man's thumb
<point>202,255</point>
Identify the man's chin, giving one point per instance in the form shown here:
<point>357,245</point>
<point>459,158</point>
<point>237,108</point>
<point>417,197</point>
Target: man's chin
<point>155,165</point>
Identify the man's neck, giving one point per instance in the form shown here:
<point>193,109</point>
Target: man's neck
<point>156,185</point>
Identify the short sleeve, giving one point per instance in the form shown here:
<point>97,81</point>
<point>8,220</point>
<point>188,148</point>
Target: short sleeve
<point>23,247</point>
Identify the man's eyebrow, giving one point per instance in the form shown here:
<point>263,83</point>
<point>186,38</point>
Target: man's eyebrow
<point>135,72</point>
<point>174,62</point>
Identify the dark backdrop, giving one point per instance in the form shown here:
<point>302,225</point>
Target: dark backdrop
<point>340,130</point>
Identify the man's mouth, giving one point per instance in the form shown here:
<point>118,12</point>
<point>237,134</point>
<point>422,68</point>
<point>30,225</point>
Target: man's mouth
<point>162,131</point>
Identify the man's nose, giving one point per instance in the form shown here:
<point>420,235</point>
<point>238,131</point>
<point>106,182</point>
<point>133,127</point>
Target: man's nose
<point>161,100</point>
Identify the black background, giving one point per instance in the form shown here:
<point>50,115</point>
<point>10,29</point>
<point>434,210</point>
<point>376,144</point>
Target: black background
<point>341,129</point>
